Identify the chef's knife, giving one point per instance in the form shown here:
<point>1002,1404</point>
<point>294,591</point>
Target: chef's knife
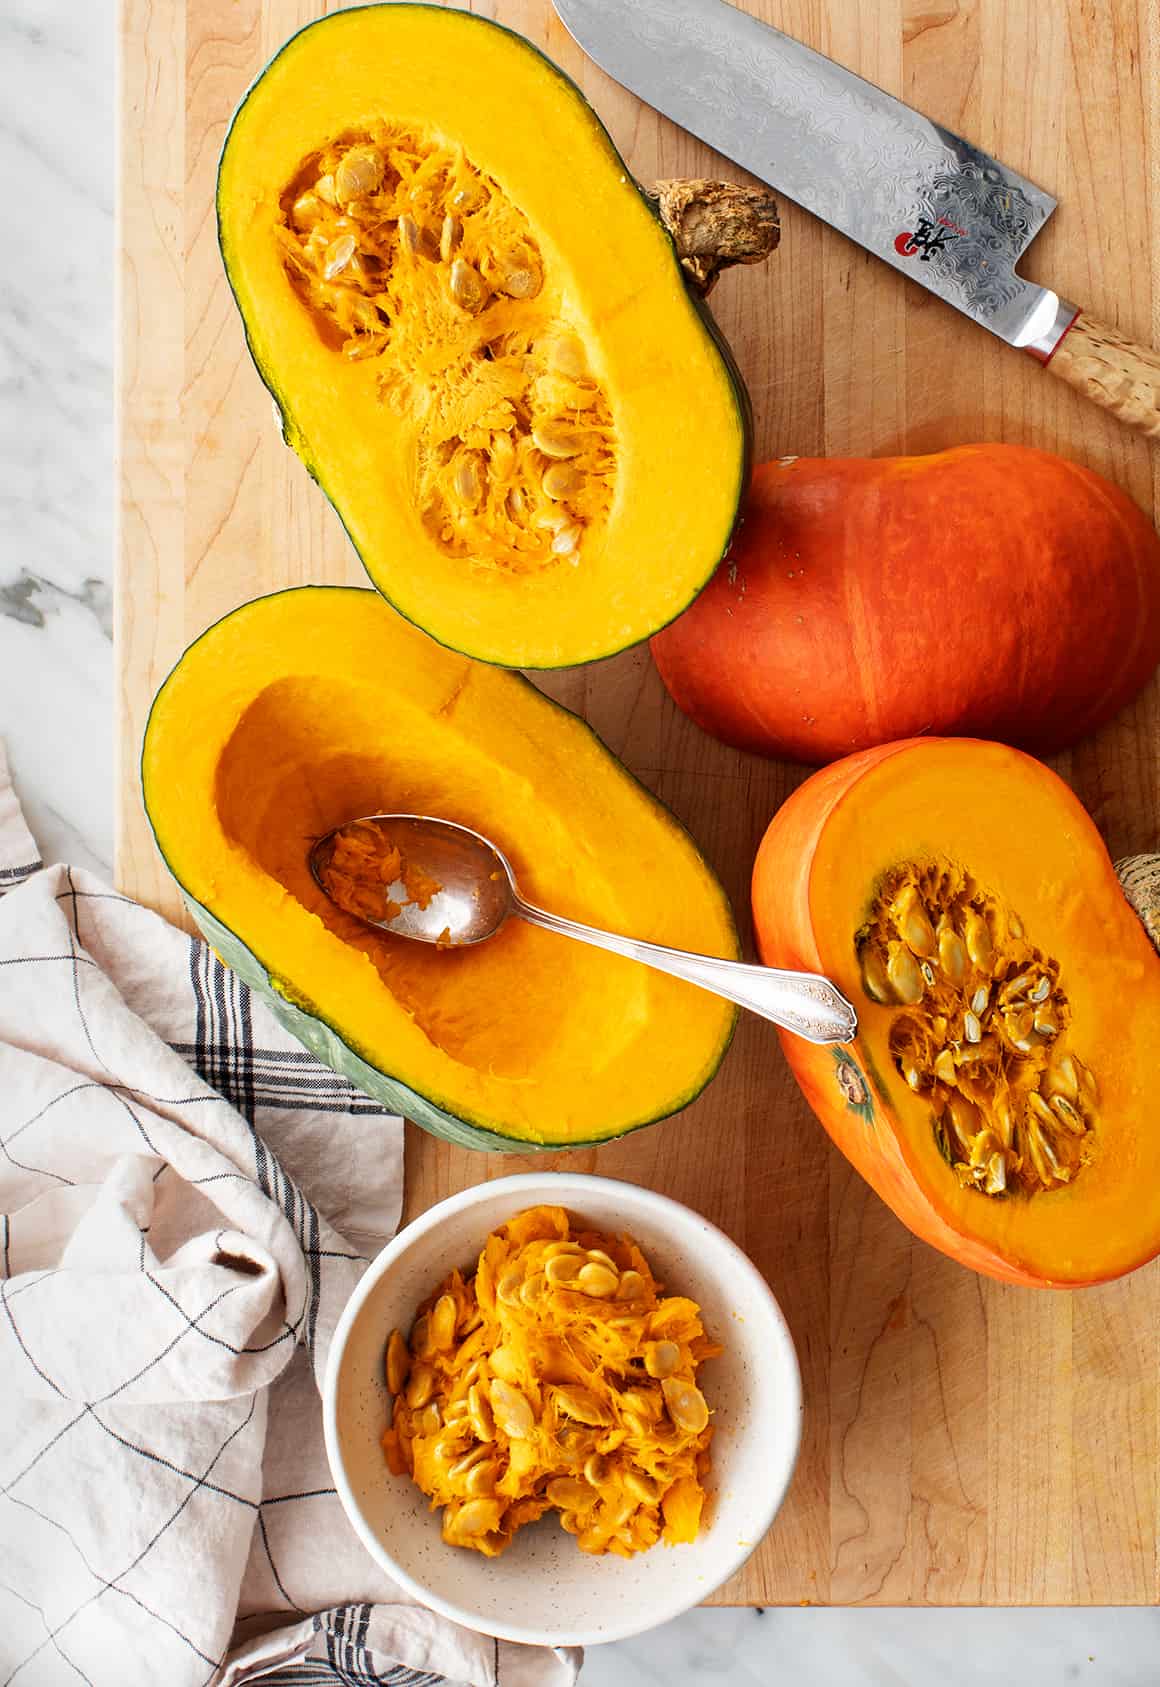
<point>921,198</point>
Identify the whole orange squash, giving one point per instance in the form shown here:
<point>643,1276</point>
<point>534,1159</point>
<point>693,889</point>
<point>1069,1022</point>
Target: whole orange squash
<point>992,590</point>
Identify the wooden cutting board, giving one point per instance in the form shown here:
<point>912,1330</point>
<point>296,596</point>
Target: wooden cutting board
<point>965,1443</point>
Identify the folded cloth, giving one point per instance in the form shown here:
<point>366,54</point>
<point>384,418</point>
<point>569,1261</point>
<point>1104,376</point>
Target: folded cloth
<point>187,1200</point>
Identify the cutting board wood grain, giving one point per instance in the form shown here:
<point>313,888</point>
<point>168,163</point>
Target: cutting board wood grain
<point>965,1442</point>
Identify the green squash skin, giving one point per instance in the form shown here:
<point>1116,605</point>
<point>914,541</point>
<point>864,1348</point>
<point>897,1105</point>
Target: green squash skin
<point>705,319</point>
<point>324,1040</point>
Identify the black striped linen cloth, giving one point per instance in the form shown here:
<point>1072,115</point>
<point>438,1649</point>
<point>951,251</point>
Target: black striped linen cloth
<point>187,1199</point>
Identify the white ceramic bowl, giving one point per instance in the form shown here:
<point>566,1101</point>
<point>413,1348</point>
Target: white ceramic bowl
<point>544,1590</point>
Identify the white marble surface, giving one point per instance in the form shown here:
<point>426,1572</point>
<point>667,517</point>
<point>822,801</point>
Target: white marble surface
<point>56,688</point>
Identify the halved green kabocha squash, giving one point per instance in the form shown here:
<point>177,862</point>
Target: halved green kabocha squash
<point>308,708</point>
<point>479,335</point>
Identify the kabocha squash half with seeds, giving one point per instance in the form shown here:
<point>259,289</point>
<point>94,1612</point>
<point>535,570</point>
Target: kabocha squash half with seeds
<point>1001,1093</point>
<point>302,710</point>
<point>479,335</point>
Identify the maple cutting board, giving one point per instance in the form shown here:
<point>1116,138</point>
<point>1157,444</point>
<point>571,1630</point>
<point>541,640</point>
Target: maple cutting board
<point>965,1442</point>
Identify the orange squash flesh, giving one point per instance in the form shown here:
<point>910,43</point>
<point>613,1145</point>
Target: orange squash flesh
<point>1026,840</point>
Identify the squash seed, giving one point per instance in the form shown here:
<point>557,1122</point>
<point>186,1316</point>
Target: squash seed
<point>479,1414</point>
<point>580,1404</point>
<point>338,256</point>
<point>875,980</point>
<point>596,1469</point>
<point>1062,1078</point>
<point>632,1286</point>
<point>686,1405</point>
<point>567,540</point>
<point>450,235</point>
<point>912,921</point>
<point>464,1465</point>
<point>571,1494</point>
<point>482,1478</point>
<point>905,978</point>
<point>533,1289</point>
<point>509,1286</point>
<point>512,1411</point>
<point>978,938</point>
<point>561,480</point>
<point>1068,1116</point>
<point>398,1366</point>
<point>473,1517</point>
<point>1041,991</point>
<point>952,954</point>
<point>504,1363</point>
<point>995,1182</point>
<point>468,487</point>
<point>443,1319</point>
<point>324,188</point>
<point>467,288</point>
<point>563,1268</point>
<point>944,1066</point>
<point>420,1386</point>
<point>640,1486</point>
<point>359,173</point>
<point>556,439</point>
<point>430,1419</point>
<point>565,355</point>
<point>661,1358</point>
<point>522,282</point>
<point>598,1280</point>
<point>306,210</point>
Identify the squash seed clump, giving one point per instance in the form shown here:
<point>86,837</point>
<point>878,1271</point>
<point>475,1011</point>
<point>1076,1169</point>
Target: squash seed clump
<point>410,258</point>
<point>982,1032</point>
<point>556,1379</point>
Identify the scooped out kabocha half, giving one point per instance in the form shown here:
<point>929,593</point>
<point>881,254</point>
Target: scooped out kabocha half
<point>1000,1096</point>
<point>301,710</point>
<point>479,333</point>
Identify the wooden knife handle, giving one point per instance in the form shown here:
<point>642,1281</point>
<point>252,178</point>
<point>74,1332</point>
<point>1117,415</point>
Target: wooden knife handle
<point>1112,371</point>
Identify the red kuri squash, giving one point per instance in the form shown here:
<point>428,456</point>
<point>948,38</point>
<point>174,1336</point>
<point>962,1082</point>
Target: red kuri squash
<point>992,590</point>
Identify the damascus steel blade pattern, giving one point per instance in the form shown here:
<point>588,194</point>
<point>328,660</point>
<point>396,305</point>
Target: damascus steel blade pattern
<point>918,196</point>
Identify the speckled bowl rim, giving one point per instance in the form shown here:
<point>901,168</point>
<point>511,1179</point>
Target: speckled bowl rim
<point>563,1189</point>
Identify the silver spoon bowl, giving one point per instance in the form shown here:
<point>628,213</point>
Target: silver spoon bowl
<point>477,893</point>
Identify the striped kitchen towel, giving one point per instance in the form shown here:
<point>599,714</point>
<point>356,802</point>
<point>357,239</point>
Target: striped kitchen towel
<point>187,1200</point>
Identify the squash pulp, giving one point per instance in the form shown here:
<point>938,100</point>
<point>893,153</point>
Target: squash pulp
<point>1000,1093</point>
<point>479,336</point>
<point>307,708</point>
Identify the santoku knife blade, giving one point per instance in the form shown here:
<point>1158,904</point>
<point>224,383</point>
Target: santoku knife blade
<point>915,194</point>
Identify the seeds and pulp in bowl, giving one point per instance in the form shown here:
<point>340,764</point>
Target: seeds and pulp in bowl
<point>409,257</point>
<point>556,1378</point>
<point>983,1030</point>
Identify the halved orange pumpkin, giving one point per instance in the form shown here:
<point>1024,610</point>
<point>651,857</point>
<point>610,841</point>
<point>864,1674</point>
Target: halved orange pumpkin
<point>1001,1093</point>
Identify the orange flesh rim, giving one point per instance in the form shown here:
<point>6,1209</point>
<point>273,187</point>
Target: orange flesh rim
<point>1027,840</point>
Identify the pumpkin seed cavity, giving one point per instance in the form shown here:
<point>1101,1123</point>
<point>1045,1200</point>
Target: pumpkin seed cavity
<point>982,1031</point>
<point>409,257</point>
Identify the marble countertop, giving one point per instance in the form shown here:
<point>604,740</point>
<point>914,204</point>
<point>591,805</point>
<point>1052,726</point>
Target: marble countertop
<point>57,493</point>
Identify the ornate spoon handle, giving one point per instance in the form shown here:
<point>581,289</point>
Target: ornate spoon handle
<point>801,1002</point>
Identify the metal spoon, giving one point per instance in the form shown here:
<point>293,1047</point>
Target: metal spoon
<point>477,893</point>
